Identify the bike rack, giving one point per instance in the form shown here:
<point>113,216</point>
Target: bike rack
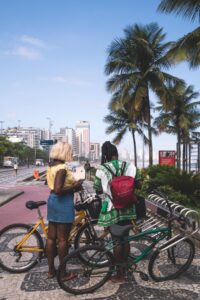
<point>157,207</point>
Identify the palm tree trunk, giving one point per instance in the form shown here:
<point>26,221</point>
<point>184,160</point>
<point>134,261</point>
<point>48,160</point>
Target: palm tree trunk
<point>184,156</point>
<point>178,150</point>
<point>134,146</point>
<point>149,130</point>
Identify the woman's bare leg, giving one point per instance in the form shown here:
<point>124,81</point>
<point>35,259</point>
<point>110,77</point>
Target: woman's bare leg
<point>63,231</point>
<point>121,252</point>
<point>51,247</point>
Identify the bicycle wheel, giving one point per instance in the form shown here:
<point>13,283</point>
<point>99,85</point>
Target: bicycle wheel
<point>87,276</point>
<point>90,234</point>
<point>16,261</point>
<point>172,262</point>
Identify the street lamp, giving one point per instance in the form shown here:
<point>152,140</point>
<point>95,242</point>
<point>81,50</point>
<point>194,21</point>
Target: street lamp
<point>19,121</point>
<point>50,125</point>
<point>1,127</point>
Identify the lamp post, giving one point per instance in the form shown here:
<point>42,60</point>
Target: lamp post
<point>1,127</point>
<point>19,121</point>
<point>50,125</point>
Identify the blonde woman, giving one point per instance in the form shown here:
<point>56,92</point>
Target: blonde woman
<point>60,208</point>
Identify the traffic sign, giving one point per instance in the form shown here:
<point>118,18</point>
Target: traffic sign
<point>167,157</point>
<point>46,142</point>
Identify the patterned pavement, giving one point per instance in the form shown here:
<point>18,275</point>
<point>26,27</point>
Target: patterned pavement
<point>34,285</point>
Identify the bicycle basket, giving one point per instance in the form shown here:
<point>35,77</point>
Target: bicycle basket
<point>94,208</point>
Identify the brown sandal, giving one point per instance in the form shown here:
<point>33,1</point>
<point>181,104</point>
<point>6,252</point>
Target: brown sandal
<point>117,279</point>
<point>51,275</point>
<point>69,276</point>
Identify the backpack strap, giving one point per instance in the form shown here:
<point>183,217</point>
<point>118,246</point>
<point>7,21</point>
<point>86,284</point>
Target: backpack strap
<point>123,168</point>
<point>109,169</point>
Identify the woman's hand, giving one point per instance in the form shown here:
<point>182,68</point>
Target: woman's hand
<point>77,185</point>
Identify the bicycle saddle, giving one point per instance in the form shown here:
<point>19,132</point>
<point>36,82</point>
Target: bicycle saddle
<point>119,231</point>
<point>34,204</point>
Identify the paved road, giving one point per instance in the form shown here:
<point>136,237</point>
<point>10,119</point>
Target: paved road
<point>8,177</point>
<point>34,285</point>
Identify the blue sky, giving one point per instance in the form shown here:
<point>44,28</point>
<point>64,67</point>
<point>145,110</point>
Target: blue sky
<point>53,54</point>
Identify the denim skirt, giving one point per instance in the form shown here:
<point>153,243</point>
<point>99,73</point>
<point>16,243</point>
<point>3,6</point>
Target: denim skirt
<point>60,209</point>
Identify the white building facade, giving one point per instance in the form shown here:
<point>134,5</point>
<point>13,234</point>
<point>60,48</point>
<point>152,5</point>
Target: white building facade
<point>94,151</point>
<point>29,135</point>
<point>67,135</point>
<point>83,138</point>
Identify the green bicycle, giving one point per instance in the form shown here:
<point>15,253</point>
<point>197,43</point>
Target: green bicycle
<point>171,255</point>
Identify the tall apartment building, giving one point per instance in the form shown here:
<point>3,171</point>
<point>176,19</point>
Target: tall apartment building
<point>94,151</point>
<point>67,135</point>
<point>29,135</point>
<point>32,136</point>
<point>83,138</point>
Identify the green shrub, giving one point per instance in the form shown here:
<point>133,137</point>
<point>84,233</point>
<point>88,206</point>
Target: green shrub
<point>181,187</point>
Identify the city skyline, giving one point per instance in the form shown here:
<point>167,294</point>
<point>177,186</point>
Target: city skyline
<point>38,134</point>
<point>53,59</point>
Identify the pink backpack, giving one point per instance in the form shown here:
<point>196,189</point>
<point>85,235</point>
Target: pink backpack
<point>122,188</point>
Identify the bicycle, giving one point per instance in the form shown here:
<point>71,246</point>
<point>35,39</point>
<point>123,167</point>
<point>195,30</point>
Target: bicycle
<point>22,246</point>
<point>170,255</point>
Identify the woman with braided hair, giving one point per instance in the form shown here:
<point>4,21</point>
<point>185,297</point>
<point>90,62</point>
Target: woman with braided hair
<point>110,215</point>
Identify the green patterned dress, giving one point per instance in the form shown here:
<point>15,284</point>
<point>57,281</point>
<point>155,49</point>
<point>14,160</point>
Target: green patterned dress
<point>109,215</point>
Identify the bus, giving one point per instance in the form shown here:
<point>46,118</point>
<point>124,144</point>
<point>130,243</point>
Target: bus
<point>9,161</point>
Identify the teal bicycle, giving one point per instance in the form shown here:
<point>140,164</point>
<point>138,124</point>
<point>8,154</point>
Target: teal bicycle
<point>170,254</point>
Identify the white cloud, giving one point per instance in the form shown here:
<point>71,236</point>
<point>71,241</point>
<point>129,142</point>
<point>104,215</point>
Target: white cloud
<point>27,47</point>
<point>26,52</point>
<point>27,39</point>
<point>67,81</point>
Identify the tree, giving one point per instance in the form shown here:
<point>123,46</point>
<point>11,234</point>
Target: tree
<point>183,116</point>
<point>187,8</point>
<point>188,47</point>
<point>119,121</point>
<point>20,150</point>
<point>137,63</point>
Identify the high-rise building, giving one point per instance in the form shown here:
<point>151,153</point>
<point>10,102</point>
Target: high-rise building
<point>67,135</point>
<point>83,138</point>
<point>29,135</point>
<point>94,151</point>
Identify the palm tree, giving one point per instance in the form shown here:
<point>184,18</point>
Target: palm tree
<point>137,63</point>
<point>188,47</point>
<point>182,118</point>
<point>119,121</point>
<point>188,8</point>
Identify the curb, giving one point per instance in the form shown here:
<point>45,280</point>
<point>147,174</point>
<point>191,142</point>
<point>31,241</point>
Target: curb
<point>31,177</point>
<point>9,198</point>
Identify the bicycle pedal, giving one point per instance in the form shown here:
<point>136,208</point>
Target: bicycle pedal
<point>144,276</point>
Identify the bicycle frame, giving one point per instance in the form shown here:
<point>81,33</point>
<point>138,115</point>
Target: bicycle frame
<point>20,246</point>
<point>79,221</point>
<point>161,234</point>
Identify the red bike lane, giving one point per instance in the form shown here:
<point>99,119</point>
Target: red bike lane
<point>15,211</point>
